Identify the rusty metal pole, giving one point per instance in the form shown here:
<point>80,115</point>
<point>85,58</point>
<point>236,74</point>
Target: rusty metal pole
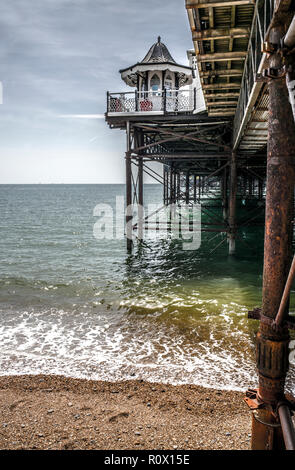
<point>287,426</point>
<point>232,205</point>
<point>272,344</point>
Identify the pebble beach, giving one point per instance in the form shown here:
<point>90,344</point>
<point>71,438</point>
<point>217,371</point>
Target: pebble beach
<point>58,413</point>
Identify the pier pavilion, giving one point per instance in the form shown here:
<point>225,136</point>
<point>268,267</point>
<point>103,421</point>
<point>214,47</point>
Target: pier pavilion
<point>166,121</point>
<point>242,141</point>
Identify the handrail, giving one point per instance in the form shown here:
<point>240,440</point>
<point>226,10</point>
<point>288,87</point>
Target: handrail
<point>166,101</point>
<point>287,426</point>
<point>254,62</point>
<point>280,315</point>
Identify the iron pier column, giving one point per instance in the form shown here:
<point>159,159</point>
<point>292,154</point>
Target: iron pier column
<point>232,205</point>
<point>174,186</point>
<point>224,194</point>
<point>272,344</point>
<point>260,190</point>
<point>171,186</point>
<point>165,184</point>
<point>187,188</point>
<point>178,186</point>
<point>195,189</point>
<point>140,199</point>
<point>129,208</point>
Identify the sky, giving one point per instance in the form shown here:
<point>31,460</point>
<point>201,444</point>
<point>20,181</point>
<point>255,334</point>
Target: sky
<point>58,58</point>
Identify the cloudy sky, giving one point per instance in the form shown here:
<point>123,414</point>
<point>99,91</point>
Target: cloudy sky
<point>58,58</point>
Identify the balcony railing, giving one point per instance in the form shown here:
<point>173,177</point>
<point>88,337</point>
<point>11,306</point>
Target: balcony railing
<point>162,101</point>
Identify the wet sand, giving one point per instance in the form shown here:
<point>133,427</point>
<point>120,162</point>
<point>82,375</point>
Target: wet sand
<point>53,412</point>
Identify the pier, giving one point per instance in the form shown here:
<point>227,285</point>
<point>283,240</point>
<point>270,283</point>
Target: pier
<point>223,128</point>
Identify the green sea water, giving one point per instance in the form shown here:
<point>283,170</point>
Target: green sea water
<point>75,305</point>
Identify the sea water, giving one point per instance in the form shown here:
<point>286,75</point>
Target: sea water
<point>79,306</point>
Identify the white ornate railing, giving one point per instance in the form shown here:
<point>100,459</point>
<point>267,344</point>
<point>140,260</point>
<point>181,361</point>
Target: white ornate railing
<point>167,101</point>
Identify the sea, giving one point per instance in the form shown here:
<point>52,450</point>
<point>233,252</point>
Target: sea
<point>77,304</point>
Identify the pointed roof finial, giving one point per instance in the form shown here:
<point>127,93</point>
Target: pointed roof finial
<point>159,38</point>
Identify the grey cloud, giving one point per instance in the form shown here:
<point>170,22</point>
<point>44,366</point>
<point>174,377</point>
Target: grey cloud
<point>59,57</point>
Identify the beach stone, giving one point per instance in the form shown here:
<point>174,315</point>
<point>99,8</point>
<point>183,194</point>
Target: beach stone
<point>114,418</point>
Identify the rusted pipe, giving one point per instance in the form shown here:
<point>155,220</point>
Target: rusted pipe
<point>287,426</point>
<point>280,191</point>
<point>285,297</point>
<point>272,351</point>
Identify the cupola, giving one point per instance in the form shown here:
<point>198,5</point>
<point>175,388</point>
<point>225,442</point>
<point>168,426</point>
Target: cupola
<point>157,71</point>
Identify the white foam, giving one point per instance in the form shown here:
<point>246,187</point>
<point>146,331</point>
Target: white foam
<point>117,347</point>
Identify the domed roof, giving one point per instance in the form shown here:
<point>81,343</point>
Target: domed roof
<point>158,53</point>
<point>157,58</point>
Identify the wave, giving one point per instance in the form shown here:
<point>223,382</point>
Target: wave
<point>117,347</point>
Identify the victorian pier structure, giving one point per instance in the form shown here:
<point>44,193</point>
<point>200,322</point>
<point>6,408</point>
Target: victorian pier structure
<point>166,121</point>
<point>223,127</point>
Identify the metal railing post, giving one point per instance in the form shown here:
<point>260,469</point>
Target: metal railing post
<point>165,100</point>
<point>108,101</point>
<point>136,100</point>
<point>195,99</point>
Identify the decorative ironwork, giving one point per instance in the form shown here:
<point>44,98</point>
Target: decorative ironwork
<point>166,101</point>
